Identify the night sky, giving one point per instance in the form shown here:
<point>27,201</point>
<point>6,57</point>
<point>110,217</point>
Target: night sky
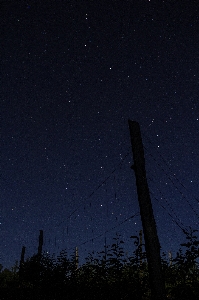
<point>72,74</point>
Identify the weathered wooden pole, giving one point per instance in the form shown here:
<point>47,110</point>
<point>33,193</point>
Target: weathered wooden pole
<point>22,256</point>
<point>21,264</point>
<point>40,242</point>
<point>152,244</point>
<point>76,258</point>
<point>170,258</point>
<point>140,245</point>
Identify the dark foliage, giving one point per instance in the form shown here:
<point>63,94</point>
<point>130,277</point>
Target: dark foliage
<point>109,274</point>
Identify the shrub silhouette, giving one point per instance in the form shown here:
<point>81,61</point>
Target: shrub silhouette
<point>108,274</point>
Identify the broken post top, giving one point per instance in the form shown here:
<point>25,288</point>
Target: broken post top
<point>134,127</point>
<point>136,143</point>
<point>135,122</point>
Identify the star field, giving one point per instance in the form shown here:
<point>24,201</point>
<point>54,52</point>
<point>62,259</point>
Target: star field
<point>72,74</point>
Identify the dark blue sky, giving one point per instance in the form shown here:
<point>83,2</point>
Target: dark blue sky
<point>72,73</point>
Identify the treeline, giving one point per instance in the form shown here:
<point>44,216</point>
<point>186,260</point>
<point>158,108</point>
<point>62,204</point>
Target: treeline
<point>105,275</point>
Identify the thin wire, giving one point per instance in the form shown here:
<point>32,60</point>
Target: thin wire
<point>162,196</point>
<point>103,234</point>
<point>97,188</point>
<point>182,227</point>
<point>173,183</point>
<point>174,175</point>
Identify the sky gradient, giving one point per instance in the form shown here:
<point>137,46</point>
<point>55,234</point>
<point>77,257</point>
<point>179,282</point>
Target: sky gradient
<point>72,74</point>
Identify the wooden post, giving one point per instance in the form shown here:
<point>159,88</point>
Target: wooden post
<point>105,249</point>
<point>21,264</point>
<point>76,258</point>
<point>40,242</point>
<point>146,211</point>
<point>22,256</point>
<point>170,258</point>
<point>140,246</point>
